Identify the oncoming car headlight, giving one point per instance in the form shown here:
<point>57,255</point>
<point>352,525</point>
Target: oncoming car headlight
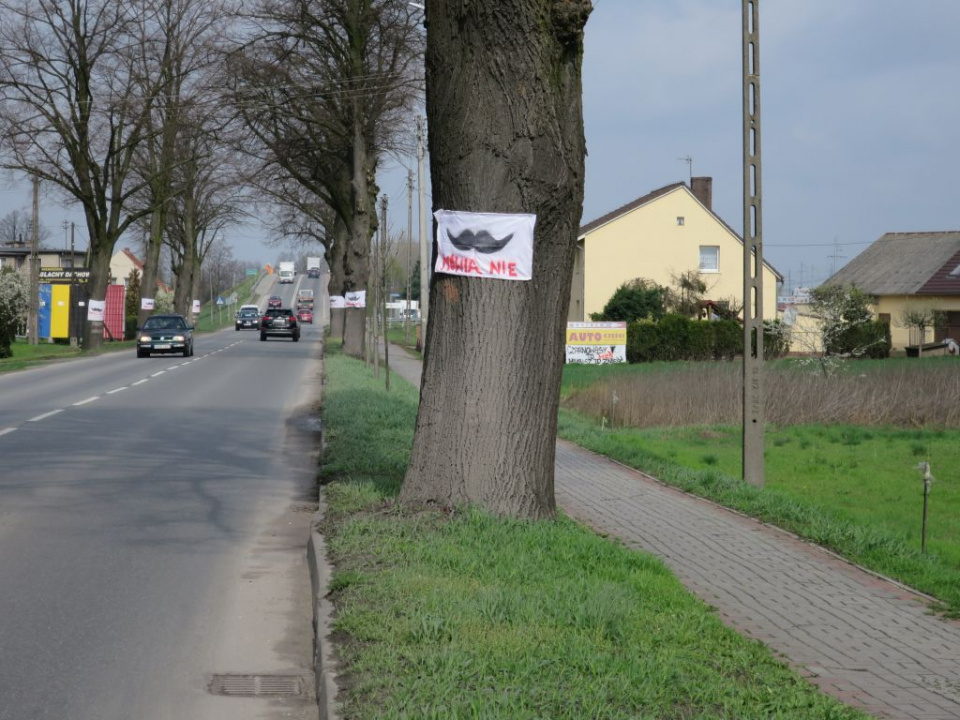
<point>178,338</point>
<point>146,338</point>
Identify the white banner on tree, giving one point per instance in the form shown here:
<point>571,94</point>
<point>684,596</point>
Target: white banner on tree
<point>196,307</point>
<point>96,310</point>
<point>485,245</point>
<point>146,303</point>
<point>337,302</point>
<point>357,299</point>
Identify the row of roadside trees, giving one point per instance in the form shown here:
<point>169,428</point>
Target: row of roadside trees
<point>171,116</point>
<point>144,111</point>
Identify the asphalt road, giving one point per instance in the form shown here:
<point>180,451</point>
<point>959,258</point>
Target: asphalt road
<point>153,523</point>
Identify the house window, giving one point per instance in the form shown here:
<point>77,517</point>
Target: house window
<point>709,258</point>
<point>681,219</point>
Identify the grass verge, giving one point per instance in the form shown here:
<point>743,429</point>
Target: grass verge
<point>464,615</point>
<point>860,530</point>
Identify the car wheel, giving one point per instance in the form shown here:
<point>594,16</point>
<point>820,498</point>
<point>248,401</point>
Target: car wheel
<point>142,354</point>
<point>263,337</point>
<point>186,351</point>
<point>238,328</point>
<point>191,349</point>
<point>296,338</point>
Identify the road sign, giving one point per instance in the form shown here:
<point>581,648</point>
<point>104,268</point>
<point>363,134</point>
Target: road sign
<point>251,272</point>
<point>220,301</point>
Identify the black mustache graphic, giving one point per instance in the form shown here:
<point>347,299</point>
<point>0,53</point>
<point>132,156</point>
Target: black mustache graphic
<point>482,242</point>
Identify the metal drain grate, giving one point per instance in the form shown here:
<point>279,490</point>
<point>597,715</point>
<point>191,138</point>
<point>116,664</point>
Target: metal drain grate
<point>255,685</point>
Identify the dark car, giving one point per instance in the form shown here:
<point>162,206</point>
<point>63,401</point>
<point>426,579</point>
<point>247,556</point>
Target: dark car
<point>313,273</point>
<point>305,316</point>
<point>275,301</point>
<point>165,334</point>
<point>279,322</point>
<point>247,319</point>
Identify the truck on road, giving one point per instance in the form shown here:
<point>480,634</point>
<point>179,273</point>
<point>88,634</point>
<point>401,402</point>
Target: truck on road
<point>313,267</point>
<point>287,272</point>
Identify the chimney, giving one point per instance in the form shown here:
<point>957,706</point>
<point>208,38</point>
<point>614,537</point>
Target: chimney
<point>702,188</point>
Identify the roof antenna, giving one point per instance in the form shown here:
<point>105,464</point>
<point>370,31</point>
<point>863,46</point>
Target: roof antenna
<point>689,161</point>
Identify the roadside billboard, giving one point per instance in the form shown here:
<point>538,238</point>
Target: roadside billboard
<point>596,343</point>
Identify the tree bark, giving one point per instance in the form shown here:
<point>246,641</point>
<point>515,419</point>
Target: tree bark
<point>506,135</point>
<point>361,225</point>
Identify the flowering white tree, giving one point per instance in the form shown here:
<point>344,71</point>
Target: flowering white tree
<point>13,307</point>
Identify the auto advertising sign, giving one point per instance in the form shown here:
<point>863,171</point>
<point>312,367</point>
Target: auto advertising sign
<point>596,343</point>
<point>59,274</point>
<point>337,302</point>
<point>146,303</point>
<point>495,246</point>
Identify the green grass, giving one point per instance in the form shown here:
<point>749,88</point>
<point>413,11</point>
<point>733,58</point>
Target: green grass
<point>212,319</point>
<point>397,336</point>
<point>26,355</point>
<point>850,489</point>
<point>466,616</point>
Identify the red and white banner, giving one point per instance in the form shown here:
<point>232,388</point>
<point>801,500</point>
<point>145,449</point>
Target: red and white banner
<point>337,302</point>
<point>356,299</point>
<point>96,310</point>
<point>485,245</point>
<point>146,303</point>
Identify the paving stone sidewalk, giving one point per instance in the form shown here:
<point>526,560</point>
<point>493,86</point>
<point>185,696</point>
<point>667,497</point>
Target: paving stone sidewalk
<point>862,639</point>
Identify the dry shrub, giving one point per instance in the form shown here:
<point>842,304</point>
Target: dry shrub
<point>708,394</point>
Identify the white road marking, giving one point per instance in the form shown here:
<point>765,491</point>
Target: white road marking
<point>88,400</point>
<point>38,418</point>
<point>139,382</point>
<point>173,367</point>
<point>158,374</point>
<point>7,431</point>
<point>116,390</point>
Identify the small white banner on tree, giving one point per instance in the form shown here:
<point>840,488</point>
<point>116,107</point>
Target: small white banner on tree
<point>146,303</point>
<point>96,310</point>
<point>337,302</point>
<point>485,245</point>
<point>196,307</point>
<point>357,299</point>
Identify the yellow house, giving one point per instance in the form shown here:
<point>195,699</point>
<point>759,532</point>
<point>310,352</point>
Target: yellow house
<point>910,270</point>
<point>659,236</point>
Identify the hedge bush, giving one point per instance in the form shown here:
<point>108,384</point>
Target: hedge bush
<point>867,340</point>
<point>677,337</point>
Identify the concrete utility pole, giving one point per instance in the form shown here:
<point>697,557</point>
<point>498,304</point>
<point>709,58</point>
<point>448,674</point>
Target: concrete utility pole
<point>424,248</point>
<point>377,285</point>
<point>753,464</point>
<point>384,249</point>
<point>406,322</point>
<point>33,309</point>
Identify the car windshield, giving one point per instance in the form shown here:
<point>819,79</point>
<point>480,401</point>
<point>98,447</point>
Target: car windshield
<point>248,313</point>
<point>163,323</point>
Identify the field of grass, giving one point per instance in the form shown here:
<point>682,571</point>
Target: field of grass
<point>463,615</point>
<point>853,488</point>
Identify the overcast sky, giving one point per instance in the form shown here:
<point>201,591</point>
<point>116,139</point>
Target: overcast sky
<point>861,118</point>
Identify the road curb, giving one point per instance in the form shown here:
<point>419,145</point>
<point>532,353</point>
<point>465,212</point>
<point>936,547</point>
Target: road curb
<point>323,663</point>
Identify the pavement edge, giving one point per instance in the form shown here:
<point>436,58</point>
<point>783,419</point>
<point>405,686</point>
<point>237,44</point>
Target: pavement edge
<point>323,663</point>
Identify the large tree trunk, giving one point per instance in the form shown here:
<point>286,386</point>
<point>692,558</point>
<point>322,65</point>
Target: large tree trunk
<point>151,262</point>
<point>97,287</point>
<point>506,135</point>
<point>335,256</point>
<point>362,225</point>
